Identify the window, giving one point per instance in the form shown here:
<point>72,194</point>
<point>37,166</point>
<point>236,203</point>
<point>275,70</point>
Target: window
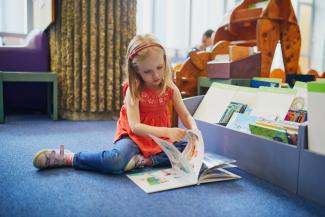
<point>19,17</point>
<point>180,24</point>
<point>13,21</point>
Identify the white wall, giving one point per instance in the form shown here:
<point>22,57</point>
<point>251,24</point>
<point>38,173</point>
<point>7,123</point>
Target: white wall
<point>170,20</point>
<point>318,37</point>
<point>42,14</point>
<point>207,14</point>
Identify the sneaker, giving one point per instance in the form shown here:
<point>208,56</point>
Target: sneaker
<point>137,161</point>
<point>50,158</point>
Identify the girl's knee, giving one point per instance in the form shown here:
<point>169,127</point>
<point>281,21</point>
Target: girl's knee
<point>114,161</point>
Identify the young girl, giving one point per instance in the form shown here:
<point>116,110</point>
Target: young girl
<point>147,92</point>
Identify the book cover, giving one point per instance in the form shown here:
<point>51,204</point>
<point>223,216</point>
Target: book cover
<point>240,122</point>
<point>231,109</point>
<point>269,132</point>
<point>275,80</point>
<point>258,83</point>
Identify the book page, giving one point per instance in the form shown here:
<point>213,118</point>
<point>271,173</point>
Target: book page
<point>217,175</point>
<point>189,162</point>
<point>178,162</point>
<point>240,122</point>
<point>154,179</point>
<point>194,151</point>
<point>185,166</point>
<point>212,161</point>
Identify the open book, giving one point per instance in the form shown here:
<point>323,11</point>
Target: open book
<point>190,167</point>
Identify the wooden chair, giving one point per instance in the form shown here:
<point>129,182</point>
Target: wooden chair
<point>264,27</point>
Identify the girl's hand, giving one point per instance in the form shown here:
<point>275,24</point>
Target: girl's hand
<point>176,134</point>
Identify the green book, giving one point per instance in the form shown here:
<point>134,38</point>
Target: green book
<point>271,133</point>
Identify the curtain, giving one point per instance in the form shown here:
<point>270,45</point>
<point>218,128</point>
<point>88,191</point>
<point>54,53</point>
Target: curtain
<point>88,43</point>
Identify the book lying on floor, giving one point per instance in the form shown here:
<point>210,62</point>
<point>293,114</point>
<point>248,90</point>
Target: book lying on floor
<point>191,167</point>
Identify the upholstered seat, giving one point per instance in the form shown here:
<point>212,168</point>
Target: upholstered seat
<point>33,56</point>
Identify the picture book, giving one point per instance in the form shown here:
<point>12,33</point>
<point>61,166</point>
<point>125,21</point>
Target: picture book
<point>240,122</point>
<point>231,109</point>
<point>275,80</point>
<point>291,129</point>
<point>298,116</point>
<point>300,100</point>
<point>284,124</point>
<point>215,102</point>
<point>269,132</point>
<point>191,167</point>
<point>259,83</point>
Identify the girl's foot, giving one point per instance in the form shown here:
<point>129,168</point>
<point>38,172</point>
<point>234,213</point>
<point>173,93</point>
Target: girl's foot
<point>49,158</point>
<point>138,161</point>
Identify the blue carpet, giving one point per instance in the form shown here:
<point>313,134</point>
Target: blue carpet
<point>26,191</point>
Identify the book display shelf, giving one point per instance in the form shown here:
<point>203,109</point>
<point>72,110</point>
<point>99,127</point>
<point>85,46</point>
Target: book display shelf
<point>292,167</point>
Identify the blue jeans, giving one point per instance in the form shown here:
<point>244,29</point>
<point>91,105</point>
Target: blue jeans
<point>115,160</point>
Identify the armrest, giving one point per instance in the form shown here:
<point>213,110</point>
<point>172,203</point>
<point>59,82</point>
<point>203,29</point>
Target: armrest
<point>33,56</point>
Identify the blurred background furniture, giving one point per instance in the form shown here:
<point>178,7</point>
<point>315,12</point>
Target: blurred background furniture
<point>31,57</point>
<point>186,75</point>
<point>264,23</point>
<point>52,88</point>
<point>251,23</point>
<point>278,73</point>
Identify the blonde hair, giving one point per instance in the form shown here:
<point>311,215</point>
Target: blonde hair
<point>139,49</point>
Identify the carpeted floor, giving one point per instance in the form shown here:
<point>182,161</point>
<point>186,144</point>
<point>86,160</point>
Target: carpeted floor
<point>25,191</point>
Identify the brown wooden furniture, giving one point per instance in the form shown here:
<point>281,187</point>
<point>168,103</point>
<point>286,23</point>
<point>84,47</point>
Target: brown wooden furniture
<point>264,27</point>
<point>187,75</point>
<point>278,73</point>
<point>313,72</point>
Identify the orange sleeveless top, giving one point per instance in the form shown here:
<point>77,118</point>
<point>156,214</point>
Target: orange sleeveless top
<point>153,111</point>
